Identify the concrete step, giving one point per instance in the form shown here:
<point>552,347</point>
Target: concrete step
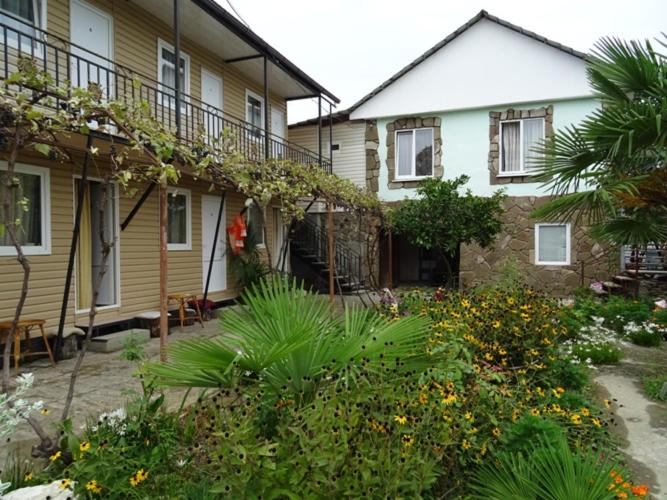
<point>114,341</point>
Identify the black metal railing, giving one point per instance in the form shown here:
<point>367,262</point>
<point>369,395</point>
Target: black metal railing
<point>312,240</point>
<point>71,65</point>
<point>645,259</point>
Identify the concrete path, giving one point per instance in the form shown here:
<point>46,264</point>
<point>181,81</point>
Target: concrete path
<point>640,424</point>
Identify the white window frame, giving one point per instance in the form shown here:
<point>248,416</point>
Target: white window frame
<point>179,247</point>
<point>162,87</point>
<point>568,248</point>
<point>413,175</point>
<point>115,250</point>
<point>523,171</point>
<point>255,95</point>
<point>45,215</point>
<point>40,8</point>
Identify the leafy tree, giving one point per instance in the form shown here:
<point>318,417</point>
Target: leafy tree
<point>442,218</point>
<point>610,169</point>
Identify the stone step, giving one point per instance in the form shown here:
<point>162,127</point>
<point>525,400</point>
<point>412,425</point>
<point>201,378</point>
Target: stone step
<point>612,287</point>
<point>114,341</point>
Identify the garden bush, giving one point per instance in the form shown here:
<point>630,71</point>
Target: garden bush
<point>408,401</point>
<point>653,387</point>
<point>646,334</point>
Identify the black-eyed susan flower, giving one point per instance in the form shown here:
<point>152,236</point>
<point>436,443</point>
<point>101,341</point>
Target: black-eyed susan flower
<point>94,487</point>
<point>55,456</point>
<point>496,432</point>
<point>65,483</point>
<point>575,419</point>
<point>535,412</point>
<point>44,411</point>
<point>407,440</point>
<point>401,419</point>
<point>84,446</point>
<point>27,476</point>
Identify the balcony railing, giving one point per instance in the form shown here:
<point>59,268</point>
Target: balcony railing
<point>70,64</point>
<point>647,260</point>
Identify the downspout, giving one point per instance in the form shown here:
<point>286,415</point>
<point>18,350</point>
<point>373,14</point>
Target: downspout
<point>177,63</point>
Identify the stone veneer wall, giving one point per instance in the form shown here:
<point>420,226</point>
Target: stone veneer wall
<point>517,244</point>
<point>495,117</point>
<point>371,143</point>
<point>408,124</point>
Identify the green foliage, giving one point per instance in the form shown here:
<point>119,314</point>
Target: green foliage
<point>570,375</point>
<point>619,311</point>
<point>599,354</point>
<point>133,348</point>
<point>653,387</point>
<point>521,435</point>
<point>289,338</point>
<point>646,337</point>
<point>617,153</point>
<point>549,471</point>
<point>454,218</point>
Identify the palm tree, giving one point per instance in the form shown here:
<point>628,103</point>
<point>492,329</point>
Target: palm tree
<point>610,169</point>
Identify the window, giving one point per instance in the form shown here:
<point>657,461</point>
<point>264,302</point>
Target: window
<point>518,138</point>
<point>32,210</point>
<point>414,153</point>
<point>254,113</point>
<point>167,73</point>
<point>179,225</point>
<point>255,227</point>
<point>26,15</point>
<point>552,244</point>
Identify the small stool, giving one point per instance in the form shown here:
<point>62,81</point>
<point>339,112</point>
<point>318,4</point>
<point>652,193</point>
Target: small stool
<point>25,326</point>
<point>182,299</point>
<point>150,320</point>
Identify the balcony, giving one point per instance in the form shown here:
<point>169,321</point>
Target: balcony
<point>73,65</point>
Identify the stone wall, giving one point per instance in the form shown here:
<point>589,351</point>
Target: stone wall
<point>371,143</point>
<point>516,245</point>
<point>495,117</point>
<point>408,124</point>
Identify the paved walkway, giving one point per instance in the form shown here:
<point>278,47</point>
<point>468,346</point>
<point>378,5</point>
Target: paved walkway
<point>105,383</point>
<point>641,424</point>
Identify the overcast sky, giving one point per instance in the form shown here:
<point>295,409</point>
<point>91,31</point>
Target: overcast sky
<point>351,46</point>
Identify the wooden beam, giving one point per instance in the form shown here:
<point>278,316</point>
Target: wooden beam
<point>243,58</point>
<point>390,268</point>
<point>330,234</point>
<point>221,208</point>
<point>164,298</point>
<point>136,207</point>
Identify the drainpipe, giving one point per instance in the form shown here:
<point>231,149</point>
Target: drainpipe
<point>266,110</point>
<point>177,75</point>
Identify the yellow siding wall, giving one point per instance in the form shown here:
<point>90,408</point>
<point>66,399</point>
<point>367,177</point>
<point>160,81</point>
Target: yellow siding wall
<point>135,46</point>
<point>349,162</point>
<point>139,255</point>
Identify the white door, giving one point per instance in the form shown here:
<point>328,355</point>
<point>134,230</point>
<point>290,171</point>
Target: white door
<point>210,205</point>
<point>91,29</point>
<point>278,131</point>
<point>211,96</point>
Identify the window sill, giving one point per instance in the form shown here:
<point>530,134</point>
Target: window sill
<point>513,174</point>
<point>10,251</point>
<point>179,248</point>
<point>560,264</point>
<point>409,179</point>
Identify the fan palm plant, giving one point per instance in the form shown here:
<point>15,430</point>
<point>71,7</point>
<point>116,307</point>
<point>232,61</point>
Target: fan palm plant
<point>286,339</point>
<point>610,169</point>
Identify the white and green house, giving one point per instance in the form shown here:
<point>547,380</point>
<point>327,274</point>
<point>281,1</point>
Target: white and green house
<point>476,104</point>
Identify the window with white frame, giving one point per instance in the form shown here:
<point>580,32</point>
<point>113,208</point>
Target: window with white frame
<point>179,225</point>
<point>31,200</point>
<point>552,244</point>
<point>166,73</point>
<point>21,17</point>
<point>518,138</point>
<point>414,153</point>
<point>255,225</point>
<point>254,113</point>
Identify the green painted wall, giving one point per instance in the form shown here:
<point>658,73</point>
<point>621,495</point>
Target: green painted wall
<point>465,146</point>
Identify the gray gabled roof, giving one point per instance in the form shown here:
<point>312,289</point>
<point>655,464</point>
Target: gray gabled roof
<point>481,15</point>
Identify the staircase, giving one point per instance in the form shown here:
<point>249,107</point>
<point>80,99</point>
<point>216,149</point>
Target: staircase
<point>309,243</point>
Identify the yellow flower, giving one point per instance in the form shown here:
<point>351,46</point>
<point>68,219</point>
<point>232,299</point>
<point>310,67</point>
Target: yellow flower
<point>93,487</point>
<point>515,415</point>
<point>510,300</point>
<point>449,399</point>
<point>28,476</point>
<point>465,303</point>
<point>44,411</point>
<point>585,412</point>
<point>535,412</point>
<point>496,324</point>
<point>451,386</point>
<point>496,432</point>
<point>423,398</point>
<point>468,416</point>
<point>55,456</point>
<point>401,419</point>
<point>466,444</point>
<point>138,477</point>
<point>540,391</point>
<point>607,403</point>
<point>65,484</point>
<point>576,419</point>
<point>596,422</point>
<point>84,446</point>
<point>556,408</point>
<point>407,440</point>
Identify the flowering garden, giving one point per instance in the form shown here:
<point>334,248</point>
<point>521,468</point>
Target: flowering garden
<point>445,394</point>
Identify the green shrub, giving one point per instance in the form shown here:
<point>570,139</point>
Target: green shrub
<point>550,471</point>
<point>570,375</point>
<point>599,354</point>
<point>133,348</point>
<point>646,337</point>
<point>619,311</point>
<point>520,436</point>
<point>653,387</point>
